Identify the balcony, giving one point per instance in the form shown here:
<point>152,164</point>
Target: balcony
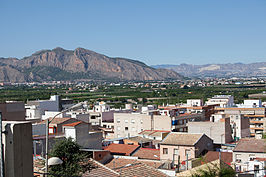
<point>256,122</point>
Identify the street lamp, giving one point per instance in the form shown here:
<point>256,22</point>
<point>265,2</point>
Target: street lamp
<point>54,161</point>
<point>77,106</point>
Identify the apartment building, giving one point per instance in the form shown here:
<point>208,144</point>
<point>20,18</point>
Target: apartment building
<point>53,104</point>
<point>184,146</point>
<point>222,100</point>
<point>179,123</point>
<point>248,150</point>
<point>194,102</point>
<point>130,124</point>
<point>240,126</point>
<point>219,132</point>
<point>256,118</point>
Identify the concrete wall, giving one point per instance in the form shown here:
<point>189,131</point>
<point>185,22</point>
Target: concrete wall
<point>181,152</point>
<point>136,123</point>
<point>205,143</point>
<point>82,135</point>
<point>14,111</point>
<point>220,132</point>
<point>245,157</point>
<point>18,161</point>
<point>38,129</point>
<point>194,102</point>
<point>95,140</point>
<point>253,111</point>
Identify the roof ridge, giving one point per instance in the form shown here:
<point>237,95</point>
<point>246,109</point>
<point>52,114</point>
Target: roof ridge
<point>98,163</point>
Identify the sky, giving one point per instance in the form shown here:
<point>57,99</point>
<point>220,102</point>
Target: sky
<point>152,31</point>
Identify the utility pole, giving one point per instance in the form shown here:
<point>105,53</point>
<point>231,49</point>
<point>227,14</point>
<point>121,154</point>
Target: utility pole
<point>178,164</point>
<point>187,161</point>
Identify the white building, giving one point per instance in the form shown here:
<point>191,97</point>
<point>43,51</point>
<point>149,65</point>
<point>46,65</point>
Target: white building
<point>251,104</point>
<point>194,102</point>
<point>79,131</point>
<point>101,107</point>
<point>222,100</point>
<point>33,112</point>
<point>248,150</point>
<point>53,104</point>
<point>130,124</point>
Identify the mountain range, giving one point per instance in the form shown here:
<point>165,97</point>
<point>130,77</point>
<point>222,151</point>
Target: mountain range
<point>218,70</point>
<point>79,64</point>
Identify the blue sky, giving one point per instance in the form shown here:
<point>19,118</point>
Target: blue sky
<point>155,32</point>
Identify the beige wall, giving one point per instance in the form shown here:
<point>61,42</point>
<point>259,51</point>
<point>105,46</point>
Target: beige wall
<point>136,123</point>
<point>181,150</point>
<point>205,143</point>
<point>220,132</point>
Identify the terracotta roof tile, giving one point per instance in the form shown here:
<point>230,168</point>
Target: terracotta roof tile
<point>251,145</point>
<point>123,149</point>
<point>140,170</point>
<point>120,162</point>
<point>226,157</point>
<point>73,124</point>
<point>176,138</point>
<point>99,170</point>
<point>147,153</point>
<point>139,139</point>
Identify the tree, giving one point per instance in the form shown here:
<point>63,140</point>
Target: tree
<point>215,171</point>
<point>73,160</point>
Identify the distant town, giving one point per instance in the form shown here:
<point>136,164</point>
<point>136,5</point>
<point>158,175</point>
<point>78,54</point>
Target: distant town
<point>162,128</point>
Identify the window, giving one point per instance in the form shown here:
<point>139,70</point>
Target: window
<point>126,121</point>
<point>176,151</point>
<point>252,157</point>
<point>238,157</point>
<point>133,129</point>
<point>141,121</point>
<point>118,128</point>
<point>133,121</point>
<point>188,154</point>
<point>118,120</point>
<point>165,150</point>
<point>256,167</point>
<point>126,128</point>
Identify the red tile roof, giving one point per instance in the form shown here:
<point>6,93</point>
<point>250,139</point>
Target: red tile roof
<point>99,170</point>
<point>147,153</point>
<point>120,162</point>
<point>123,149</point>
<point>139,170</point>
<point>251,145</point>
<point>73,124</point>
<point>226,157</point>
<point>260,159</point>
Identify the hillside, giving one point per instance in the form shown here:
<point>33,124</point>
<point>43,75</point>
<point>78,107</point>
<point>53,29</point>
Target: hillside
<point>219,70</point>
<point>61,64</point>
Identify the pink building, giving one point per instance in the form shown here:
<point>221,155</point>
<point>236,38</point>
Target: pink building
<point>181,146</point>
